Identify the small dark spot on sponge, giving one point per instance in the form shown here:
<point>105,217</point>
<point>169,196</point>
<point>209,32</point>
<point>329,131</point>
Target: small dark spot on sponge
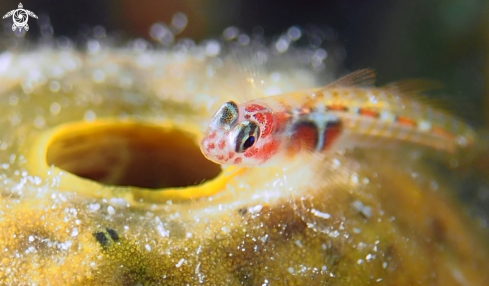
<point>101,238</point>
<point>243,211</point>
<point>113,234</point>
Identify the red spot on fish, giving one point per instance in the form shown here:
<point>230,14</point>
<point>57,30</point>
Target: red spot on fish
<point>266,120</point>
<point>210,147</point>
<point>406,121</point>
<point>231,155</point>
<point>220,157</point>
<point>247,116</point>
<point>268,149</point>
<point>221,144</point>
<point>251,152</point>
<point>238,160</point>
<point>368,112</point>
<point>254,107</point>
<point>260,118</point>
<point>269,126</point>
<point>212,135</point>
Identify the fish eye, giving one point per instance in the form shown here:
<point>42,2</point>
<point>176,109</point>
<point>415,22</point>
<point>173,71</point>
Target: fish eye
<point>226,115</point>
<point>245,135</point>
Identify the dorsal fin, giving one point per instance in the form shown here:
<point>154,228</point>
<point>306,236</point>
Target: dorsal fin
<point>413,86</point>
<point>421,90</point>
<point>364,77</point>
<point>416,89</point>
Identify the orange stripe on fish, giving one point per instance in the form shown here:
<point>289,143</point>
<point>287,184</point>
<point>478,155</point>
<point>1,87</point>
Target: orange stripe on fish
<point>337,108</point>
<point>442,132</point>
<point>368,112</point>
<point>406,121</point>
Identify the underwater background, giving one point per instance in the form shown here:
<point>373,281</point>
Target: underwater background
<point>444,40</point>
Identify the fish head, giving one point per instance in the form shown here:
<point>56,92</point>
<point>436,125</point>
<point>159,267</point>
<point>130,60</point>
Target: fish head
<point>240,135</point>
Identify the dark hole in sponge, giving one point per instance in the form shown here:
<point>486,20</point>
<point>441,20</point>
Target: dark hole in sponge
<point>132,154</point>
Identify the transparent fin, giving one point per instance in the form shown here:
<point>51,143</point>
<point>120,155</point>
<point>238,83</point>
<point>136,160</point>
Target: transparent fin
<point>429,92</point>
<point>249,64</point>
<point>413,86</point>
<point>364,77</point>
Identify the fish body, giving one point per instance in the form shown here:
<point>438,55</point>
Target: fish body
<point>346,114</point>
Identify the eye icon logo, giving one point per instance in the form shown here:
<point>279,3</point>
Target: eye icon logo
<point>20,17</point>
